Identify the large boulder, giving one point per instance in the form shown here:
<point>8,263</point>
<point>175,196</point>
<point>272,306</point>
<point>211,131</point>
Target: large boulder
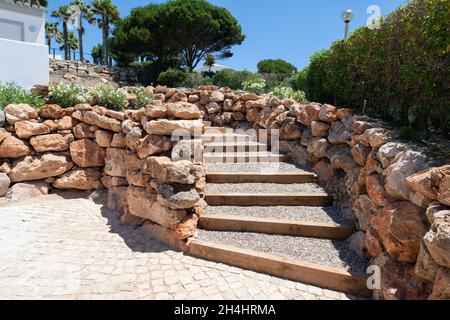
<point>401,227</point>
<point>404,165</point>
<point>40,167</point>
<point>103,122</point>
<point>318,147</point>
<point>26,129</point>
<point>341,158</point>
<point>152,145</point>
<point>376,191</point>
<point>103,138</point>
<point>84,131</point>
<point>178,127</point>
<point>441,288</point>
<point>438,244</point>
<point>146,205</point>
<point>328,113</point>
<point>66,123</point>
<point>433,183</point>
<point>389,151</point>
<point>156,111</point>
<point>132,137</point>
<point>319,129</point>
<point>360,154</point>
<point>217,96</point>
<point>86,153</point>
<point>51,111</point>
<point>4,183</point>
<point>426,268</point>
<point>18,112</point>
<point>339,134</point>
<point>166,171</point>
<point>115,165</point>
<point>176,196</point>
<point>52,142</point>
<point>290,129</point>
<point>364,209</point>
<point>117,199</point>
<point>81,179</point>
<point>27,190</point>
<point>188,150</point>
<point>12,147</point>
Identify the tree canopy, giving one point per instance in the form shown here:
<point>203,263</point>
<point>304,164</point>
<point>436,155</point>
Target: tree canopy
<point>189,29</point>
<point>278,66</point>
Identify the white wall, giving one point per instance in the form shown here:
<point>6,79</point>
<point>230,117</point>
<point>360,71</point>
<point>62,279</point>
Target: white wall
<point>23,53</point>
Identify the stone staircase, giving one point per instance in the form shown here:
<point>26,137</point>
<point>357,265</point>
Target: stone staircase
<point>268,215</point>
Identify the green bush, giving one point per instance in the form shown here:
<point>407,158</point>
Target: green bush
<point>232,79</point>
<point>66,94</point>
<point>143,97</point>
<point>257,86</point>
<point>278,66</point>
<point>285,92</point>
<point>110,97</point>
<point>172,77</point>
<point>11,93</point>
<point>401,69</point>
<point>195,79</point>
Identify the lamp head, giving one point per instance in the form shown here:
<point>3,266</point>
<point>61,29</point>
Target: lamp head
<point>347,16</point>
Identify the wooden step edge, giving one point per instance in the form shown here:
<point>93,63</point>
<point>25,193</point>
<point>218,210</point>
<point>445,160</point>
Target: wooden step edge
<point>285,199</point>
<point>275,226</point>
<point>261,177</point>
<point>326,277</point>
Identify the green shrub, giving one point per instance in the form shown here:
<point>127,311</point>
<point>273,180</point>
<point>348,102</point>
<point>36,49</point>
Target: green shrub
<point>195,79</point>
<point>278,66</point>
<point>11,93</point>
<point>171,77</point>
<point>143,97</point>
<point>399,67</point>
<point>285,92</point>
<point>257,86</point>
<point>110,97</point>
<point>67,94</point>
<point>233,79</point>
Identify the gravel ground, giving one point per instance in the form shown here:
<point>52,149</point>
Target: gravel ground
<point>264,188</point>
<point>256,167</point>
<point>312,214</point>
<point>319,251</point>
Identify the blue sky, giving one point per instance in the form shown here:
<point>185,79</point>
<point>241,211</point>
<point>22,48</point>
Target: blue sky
<point>277,29</point>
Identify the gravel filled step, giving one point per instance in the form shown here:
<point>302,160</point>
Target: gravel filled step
<point>312,214</point>
<point>263,188</point>
<point>256,167</point>
<point>331,253</point>
<point>245,157</point>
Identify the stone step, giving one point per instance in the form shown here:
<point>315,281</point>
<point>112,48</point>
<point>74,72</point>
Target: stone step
<point>258,177</point>
<point>273,168</point>
<point>243,157</point>
<point>227,138</point>
<point>311,261</point>
<point>281,199</point>
<point>275,226</point>
<point>235,146</point>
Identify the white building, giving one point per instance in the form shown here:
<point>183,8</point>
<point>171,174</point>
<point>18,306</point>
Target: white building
<point>23,53</point>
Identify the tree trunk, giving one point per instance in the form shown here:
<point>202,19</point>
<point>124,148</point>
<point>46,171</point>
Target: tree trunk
<point>66,42</point>
<point>80,39</point>
<point>49,44</point>
<point>105,42</point>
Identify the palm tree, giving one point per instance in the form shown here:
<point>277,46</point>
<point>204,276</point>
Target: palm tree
<point>106,13</point>
<point>63,13</point>
<point>70,44</point>
<point>87,14</point>
<point>51,30</point>
<point>210,61</point>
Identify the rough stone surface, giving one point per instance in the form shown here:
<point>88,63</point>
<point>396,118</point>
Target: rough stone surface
<point>18,112</point>
<point>168,127</point>
<point>40,167</point>
<point>26,129</point>
<point>4,183</point>
<point>114,162</point>
<point>103,138</point>
<point>183,110</point>
<point>80,179</point>
<point>103,122</point>
<point>51,111</point>
<point>152,145</point>
<point>87,153</point>
<point>441,289</point>
<point>51,142</point>
<point>12,147</point>
<point>166,171</point>
<point>27,190</point>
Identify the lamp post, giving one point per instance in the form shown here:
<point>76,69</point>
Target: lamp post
<point>347,16</point>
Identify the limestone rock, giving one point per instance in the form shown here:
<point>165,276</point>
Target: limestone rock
<point>146,205</point>
<point>401,228</point>
<point>328,113</point>
<point>176,196</point>
<point>319,129</point>
<point>179,127</point>
<point>253,115</point>
<point>111,182</point>
<point>117,199</point>
<point>103,122</point>
<point>84,131</point>
<point>438,244</point>
<point>178,97</point>
<point>166,171</point>
<point>389,151</point>
<point>40,167</point>
<point>426,268</point>
<point>429,182</point>
<point>27,190</point>
<point>290,130</point>
<point>26,129</point>
<point>186,228</point>
<point>356,242</point>
<point>86,153</point>
<point>188,150</point>
<point>360,154</point>
<point>183,110</point>
<point>156,111</point>
<point>364,209</point>
<point>80,179</point>
<point>318,147</point>
<point>18,112</point>
<point>152,145</point>
<point>259,104</point>
<point>51,142</point>
<point>12,147</point>
<point>4,183</point>
<point>103,138</point>
<point>324,171</point>
<point>115,165</point>
<point>132,137</point>
<point>441,289</point>
<point>341,157</point>
<point>51,111</point>
<point>339,133</point>
<point>375,189</point>
<point>118,141</point>
<point>213,108</point>
<point>217,96</point>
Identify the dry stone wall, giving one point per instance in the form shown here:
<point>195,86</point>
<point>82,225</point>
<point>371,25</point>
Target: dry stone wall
<point>396,191</point>
<point>128,154</point>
